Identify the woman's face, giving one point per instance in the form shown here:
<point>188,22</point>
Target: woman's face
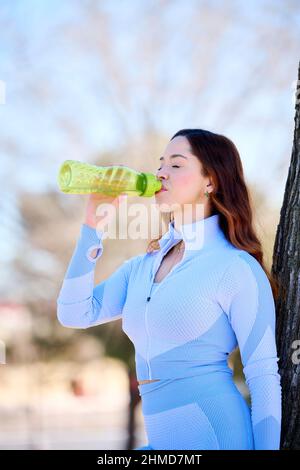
<point>181,176</point>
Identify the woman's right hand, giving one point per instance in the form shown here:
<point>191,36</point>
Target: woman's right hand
<point>94,199</point>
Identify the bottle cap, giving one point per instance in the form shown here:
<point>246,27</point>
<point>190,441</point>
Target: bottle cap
<point>152,185</point>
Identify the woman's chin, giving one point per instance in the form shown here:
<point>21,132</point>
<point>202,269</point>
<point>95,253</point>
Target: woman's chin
<point>164,207</point>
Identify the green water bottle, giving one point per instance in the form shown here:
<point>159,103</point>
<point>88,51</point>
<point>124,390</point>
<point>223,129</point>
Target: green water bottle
<point>83,178</point>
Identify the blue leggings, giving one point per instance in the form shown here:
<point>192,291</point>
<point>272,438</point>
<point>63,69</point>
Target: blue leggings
<point>202,412</point>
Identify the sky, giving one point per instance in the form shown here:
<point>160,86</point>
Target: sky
<point>34,48</point>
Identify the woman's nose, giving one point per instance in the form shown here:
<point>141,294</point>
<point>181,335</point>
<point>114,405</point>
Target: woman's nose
<point>162,174</point>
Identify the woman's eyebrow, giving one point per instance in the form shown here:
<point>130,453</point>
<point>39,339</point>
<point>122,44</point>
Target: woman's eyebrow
<point>174,156</point>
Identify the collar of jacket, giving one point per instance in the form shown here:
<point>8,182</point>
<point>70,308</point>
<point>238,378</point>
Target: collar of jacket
<point>199,235</point>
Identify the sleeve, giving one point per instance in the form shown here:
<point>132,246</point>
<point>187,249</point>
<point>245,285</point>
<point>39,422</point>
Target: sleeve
<point>79,303</point>
<point>245,295</point>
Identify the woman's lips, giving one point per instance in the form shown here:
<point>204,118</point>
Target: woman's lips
<point>162,190</point>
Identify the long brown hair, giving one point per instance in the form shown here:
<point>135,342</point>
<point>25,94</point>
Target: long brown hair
<point>230,198</point>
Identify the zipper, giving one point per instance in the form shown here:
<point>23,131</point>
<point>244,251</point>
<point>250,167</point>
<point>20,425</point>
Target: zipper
<point>147,329</point>
<point>147,304</point>
<point>148,342</point>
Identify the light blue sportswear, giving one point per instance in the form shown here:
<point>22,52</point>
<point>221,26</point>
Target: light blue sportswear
<point>216,298</point>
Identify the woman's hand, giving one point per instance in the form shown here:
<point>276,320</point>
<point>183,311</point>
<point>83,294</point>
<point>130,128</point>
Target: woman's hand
<point>93,202</point>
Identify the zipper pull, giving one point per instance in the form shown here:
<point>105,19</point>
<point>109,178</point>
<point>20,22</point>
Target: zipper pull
<point>148,299</point>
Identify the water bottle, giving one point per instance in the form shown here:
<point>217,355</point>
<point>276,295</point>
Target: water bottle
<point>77,177</point>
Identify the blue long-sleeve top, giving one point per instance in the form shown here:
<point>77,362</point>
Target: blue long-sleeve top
<point>216,298</point>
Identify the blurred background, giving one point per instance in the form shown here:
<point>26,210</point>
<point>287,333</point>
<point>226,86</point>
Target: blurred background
<point>109,82</point>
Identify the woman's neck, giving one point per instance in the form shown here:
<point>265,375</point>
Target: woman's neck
<point>188,217</point>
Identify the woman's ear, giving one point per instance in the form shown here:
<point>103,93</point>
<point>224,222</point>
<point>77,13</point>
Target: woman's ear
<point>209,186</point>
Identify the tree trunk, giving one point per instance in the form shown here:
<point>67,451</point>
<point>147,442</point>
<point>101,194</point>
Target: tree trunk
<point>286,268</point>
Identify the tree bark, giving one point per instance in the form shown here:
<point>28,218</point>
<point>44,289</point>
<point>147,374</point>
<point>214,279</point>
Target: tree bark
<point>286,269</point>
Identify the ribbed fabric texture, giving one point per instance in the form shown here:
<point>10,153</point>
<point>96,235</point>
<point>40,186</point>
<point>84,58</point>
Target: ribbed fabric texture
<point>204,412</point>
<point>216,298</point>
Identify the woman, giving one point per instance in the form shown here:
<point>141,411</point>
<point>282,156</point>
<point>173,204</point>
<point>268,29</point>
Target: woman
<point>200,291</point>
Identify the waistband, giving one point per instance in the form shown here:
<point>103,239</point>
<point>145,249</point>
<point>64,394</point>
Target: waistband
<point>210,382</point>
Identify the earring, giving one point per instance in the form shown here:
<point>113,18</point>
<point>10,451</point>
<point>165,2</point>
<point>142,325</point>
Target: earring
<point>206,193</point>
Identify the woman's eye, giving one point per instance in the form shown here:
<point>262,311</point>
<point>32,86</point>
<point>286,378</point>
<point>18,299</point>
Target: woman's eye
<point>173,166</point>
